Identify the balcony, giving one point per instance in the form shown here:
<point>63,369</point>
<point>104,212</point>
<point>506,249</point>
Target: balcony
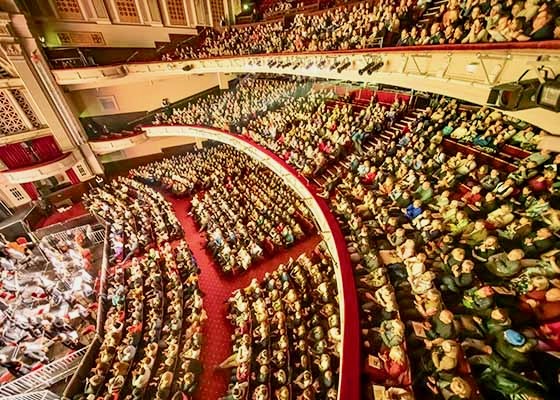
<point>39,171</point>
<point>466,72</point>
<point>111,144</point>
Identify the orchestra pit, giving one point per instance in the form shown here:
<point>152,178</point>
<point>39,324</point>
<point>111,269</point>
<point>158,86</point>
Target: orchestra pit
<point>280,200</point>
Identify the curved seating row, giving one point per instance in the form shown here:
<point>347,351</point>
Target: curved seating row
<point>139,217</point>
<point>287,342</point>
<point>246,211</point>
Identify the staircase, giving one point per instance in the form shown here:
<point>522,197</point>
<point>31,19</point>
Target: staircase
<point>40,395</point>
<point>43,377</point>
<point>388,135</point>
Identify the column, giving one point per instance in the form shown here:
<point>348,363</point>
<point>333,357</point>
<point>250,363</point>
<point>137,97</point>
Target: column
<point>223,81</point>
<point>33,69</point>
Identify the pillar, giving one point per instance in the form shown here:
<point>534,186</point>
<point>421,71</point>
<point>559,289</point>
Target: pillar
<point>223,81</point>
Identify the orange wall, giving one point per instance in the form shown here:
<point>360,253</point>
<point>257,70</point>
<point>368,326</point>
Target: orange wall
<point>152,146</point>
<point>143,96</point>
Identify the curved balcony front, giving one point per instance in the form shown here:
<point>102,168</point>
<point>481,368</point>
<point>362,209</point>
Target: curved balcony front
<point>466,72</point>
<point>40,171</point>
<point>109,145</point>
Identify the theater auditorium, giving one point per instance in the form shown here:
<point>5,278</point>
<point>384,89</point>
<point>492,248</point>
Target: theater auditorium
<point>279,199</point>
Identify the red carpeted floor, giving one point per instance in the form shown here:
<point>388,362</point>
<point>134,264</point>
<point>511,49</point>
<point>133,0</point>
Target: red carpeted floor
<point>217,289</point>
<point>76,210</point>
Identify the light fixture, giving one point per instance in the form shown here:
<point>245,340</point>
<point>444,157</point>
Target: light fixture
<point>548,95</point>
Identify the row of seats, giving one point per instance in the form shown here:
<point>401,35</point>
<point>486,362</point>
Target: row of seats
<point>287,341</point>
<point>387,22</point>
<point>139,217</point>
<point>153,331</point>
<point>245,210</point>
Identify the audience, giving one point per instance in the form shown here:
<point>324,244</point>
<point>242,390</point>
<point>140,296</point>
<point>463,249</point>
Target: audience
<point>140,218</point>
<point>287,339</point>
<point>388,23</point>
<point>153,331</point>
<point>451,216</point>
<point>245,210</point>
<point>233,108</point>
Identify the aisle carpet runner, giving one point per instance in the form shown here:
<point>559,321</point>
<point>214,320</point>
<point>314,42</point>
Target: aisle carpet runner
<point>217,289</point>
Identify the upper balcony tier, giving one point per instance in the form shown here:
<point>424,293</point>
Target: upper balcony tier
<point>40,171</point>
<point>466,72</point>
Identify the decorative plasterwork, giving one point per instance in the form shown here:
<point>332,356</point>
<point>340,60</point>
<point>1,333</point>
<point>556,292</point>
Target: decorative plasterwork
<point>12,49</point>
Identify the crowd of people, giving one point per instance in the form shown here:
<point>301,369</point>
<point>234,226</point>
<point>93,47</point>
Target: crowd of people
<point>232,108</point>
<point>47,304</point>
<point>246,212</point>
<point>446,247</point>
<point>139,217</point>
<point>153,330</point>
<point>453,227</point>
<point>279,7</point>
<point>388,22</point>
<point>446,252</point>
<point>287,340</point>
<point>312,132</point>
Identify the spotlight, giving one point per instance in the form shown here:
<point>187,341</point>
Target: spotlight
<point>322,63</point>
<point>309,65</point>
<point>344,66</point>
<point>333,66</point>
<point>296,65</point>
<point>548,95</point>
<point>371,67</point>
<point>518,95</point>
<point>188,67</point>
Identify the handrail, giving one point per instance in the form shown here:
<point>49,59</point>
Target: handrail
<point>45,376</point>
<point>40,395</point>
<point>531,45</point>
<point>102,295</point>
<point>349,374</point>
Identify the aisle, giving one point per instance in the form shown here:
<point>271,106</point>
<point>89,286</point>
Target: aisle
<point>217,289</point>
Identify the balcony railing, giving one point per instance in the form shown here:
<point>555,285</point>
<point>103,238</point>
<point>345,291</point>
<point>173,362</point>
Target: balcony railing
<point>40,395</point>
<point>43,377</point>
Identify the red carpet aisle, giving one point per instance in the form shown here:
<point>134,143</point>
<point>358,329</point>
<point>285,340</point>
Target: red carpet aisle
<point>217,288</point>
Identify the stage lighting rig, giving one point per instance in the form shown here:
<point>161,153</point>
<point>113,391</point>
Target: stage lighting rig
<point>543,91</point>
<point>373,65</point>
<point>344,65</point>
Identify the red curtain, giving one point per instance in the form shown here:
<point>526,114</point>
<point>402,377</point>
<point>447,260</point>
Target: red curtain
<point>31,190</point>
<point>16,156</point>
<point>72,176</point>
<point>45,148</point>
